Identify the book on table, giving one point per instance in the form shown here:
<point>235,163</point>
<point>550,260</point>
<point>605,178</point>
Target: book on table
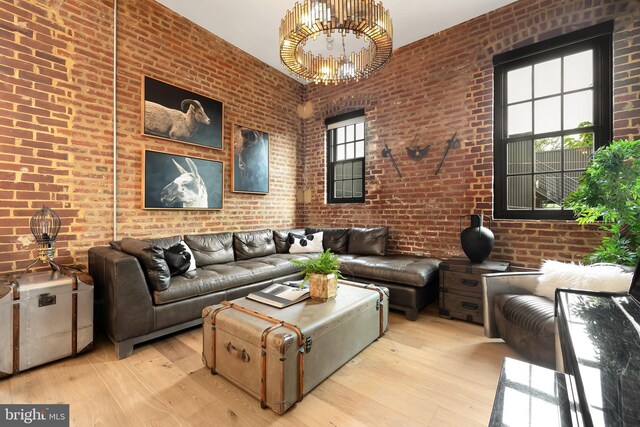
<point>280,295</point>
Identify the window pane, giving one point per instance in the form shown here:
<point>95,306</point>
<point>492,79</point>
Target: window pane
<point>337,171</point>
<point>357,169</point>
<point>578,71</point>
<point>519,85</point>
<point>571,180</point>
<point>360,130</point>
<point>519,119</point>
<point>578,109</point>
<point>347,189</point>
<point>578,149</point>
<point>348,170</point>
<point>519,192</point>
<point>357,188</point>
<point>350,152</point>
<point>548,191</point>
<point>340,152</point>
<point>548,154</point>
<point>547,115</point>
<point>519,157</point>
<point>350,132</point>
<point>360,149</point>
<point>340,136</point>
<point>338,187</point>
<point>546,78</point>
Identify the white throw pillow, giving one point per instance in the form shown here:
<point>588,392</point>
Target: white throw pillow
<point>192,262</point>
<point>311,243</point>
<point>597,277</point>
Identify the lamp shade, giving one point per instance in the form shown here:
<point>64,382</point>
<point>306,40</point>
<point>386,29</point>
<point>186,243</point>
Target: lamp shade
<point>45,225</point>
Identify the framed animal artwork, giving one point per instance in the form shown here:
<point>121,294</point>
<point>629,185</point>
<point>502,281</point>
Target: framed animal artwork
<point>250,172</point>
<point>171,181</point>
<point>177,114</point>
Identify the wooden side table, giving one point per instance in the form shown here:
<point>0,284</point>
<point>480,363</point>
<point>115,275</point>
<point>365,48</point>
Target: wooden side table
<point>461,287</point>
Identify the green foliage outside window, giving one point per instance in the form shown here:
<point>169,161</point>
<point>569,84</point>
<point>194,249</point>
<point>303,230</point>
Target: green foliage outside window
<point>609,192</point>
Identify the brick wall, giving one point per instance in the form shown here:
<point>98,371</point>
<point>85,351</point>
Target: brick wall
<point>56,142</point>
<point>442,84</point>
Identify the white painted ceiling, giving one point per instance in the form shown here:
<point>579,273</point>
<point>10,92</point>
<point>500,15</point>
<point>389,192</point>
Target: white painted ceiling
<point>252,25</point>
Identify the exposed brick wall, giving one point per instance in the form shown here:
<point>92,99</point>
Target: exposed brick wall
<point>442,84</point>
<point>56,142</point>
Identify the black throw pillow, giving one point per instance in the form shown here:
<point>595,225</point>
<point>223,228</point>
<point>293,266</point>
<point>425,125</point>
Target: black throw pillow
<point>178,259</point>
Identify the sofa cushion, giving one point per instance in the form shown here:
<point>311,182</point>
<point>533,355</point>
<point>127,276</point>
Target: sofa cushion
<point>220,277</point>
<point>403,269</point>
<point>281,239</point>
<point>368,241</point>
<point>151,258</point>
<point>526,323</point>
<point>335,239</point>
<point>165,242</point>
<point>253,244</point>
<point>306,244</point>
<point>209,249</point>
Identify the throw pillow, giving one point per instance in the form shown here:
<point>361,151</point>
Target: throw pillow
<point>596,277</point>
<point>192,259</point>
<point>178,259</point>
<point>305,244</point>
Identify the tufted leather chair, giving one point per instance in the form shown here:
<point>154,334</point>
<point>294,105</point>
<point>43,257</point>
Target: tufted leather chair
<point>523,320</point>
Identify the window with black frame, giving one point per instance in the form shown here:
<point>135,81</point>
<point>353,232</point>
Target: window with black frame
<point>345,158</point>
<point>552,111</point>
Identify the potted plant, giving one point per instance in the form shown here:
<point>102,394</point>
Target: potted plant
<point>609,191</point>
<point>322,273</point>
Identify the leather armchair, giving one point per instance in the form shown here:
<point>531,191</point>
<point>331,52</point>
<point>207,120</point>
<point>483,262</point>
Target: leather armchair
<point>523,320</point>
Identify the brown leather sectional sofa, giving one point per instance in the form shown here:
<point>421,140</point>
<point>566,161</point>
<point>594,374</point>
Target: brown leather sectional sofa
<point>137,301</point>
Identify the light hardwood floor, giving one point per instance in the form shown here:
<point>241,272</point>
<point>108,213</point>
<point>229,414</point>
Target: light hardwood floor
<point>432,372</point>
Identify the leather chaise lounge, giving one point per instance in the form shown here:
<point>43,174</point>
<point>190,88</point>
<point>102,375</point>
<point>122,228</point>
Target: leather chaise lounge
<point>136,301</point>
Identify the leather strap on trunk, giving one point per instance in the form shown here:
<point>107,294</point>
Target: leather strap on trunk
<point>263,342</point>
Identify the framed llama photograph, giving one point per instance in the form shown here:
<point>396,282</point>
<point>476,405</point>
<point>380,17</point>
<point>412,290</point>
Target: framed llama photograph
<point>171,181</point>
<point>177,114</point>
<point>250,172</point>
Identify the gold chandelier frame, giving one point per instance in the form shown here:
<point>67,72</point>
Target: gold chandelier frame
<point>363,18</point>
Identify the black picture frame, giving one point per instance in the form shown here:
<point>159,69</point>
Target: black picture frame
<point>171,181</point>
<point>161,102</point>
<point>250,167</point>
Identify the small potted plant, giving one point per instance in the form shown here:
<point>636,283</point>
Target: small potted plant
<point>322,272</point>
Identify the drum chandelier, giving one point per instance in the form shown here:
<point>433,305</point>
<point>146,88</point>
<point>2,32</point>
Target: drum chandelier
<point>367,20</point>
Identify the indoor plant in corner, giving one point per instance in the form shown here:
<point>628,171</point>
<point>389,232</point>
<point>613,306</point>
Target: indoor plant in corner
<point>609,191</point>
<point>322,272</point>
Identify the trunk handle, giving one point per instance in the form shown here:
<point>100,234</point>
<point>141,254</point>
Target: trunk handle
<point>242,355</point>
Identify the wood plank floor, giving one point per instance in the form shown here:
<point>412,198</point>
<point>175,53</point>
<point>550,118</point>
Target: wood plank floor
<point>432,372</point>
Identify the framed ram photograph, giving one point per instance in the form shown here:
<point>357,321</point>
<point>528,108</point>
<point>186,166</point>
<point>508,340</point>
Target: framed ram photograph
<point>171,181</point>
<point>177,114</point>
<point>250,172</point>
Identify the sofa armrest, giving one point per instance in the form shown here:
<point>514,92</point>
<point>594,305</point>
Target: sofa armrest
<point>504,283</point>
<point>122,294</point>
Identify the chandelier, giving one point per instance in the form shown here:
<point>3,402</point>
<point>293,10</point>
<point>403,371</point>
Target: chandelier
<point>310,27</point>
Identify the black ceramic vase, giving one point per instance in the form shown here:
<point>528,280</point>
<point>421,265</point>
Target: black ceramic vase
<point>476,241</point>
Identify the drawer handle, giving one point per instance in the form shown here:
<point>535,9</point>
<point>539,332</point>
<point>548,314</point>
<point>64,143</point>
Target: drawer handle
<point>468,282</point>
<point>242,355</point>
<point>470,306</point>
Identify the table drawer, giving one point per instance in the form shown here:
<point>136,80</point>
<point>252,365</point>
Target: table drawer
<point>458,306</point>
<point>464,282</point>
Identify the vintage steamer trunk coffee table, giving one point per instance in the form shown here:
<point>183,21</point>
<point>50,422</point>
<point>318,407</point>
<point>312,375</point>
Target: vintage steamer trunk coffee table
<point>44,316</point>
<point>279,355</point>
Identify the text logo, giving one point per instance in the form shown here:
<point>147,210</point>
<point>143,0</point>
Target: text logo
<point>34,415</point>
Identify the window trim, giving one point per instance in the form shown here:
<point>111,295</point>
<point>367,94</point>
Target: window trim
<point>347,118</point>
<point>598,37</point>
